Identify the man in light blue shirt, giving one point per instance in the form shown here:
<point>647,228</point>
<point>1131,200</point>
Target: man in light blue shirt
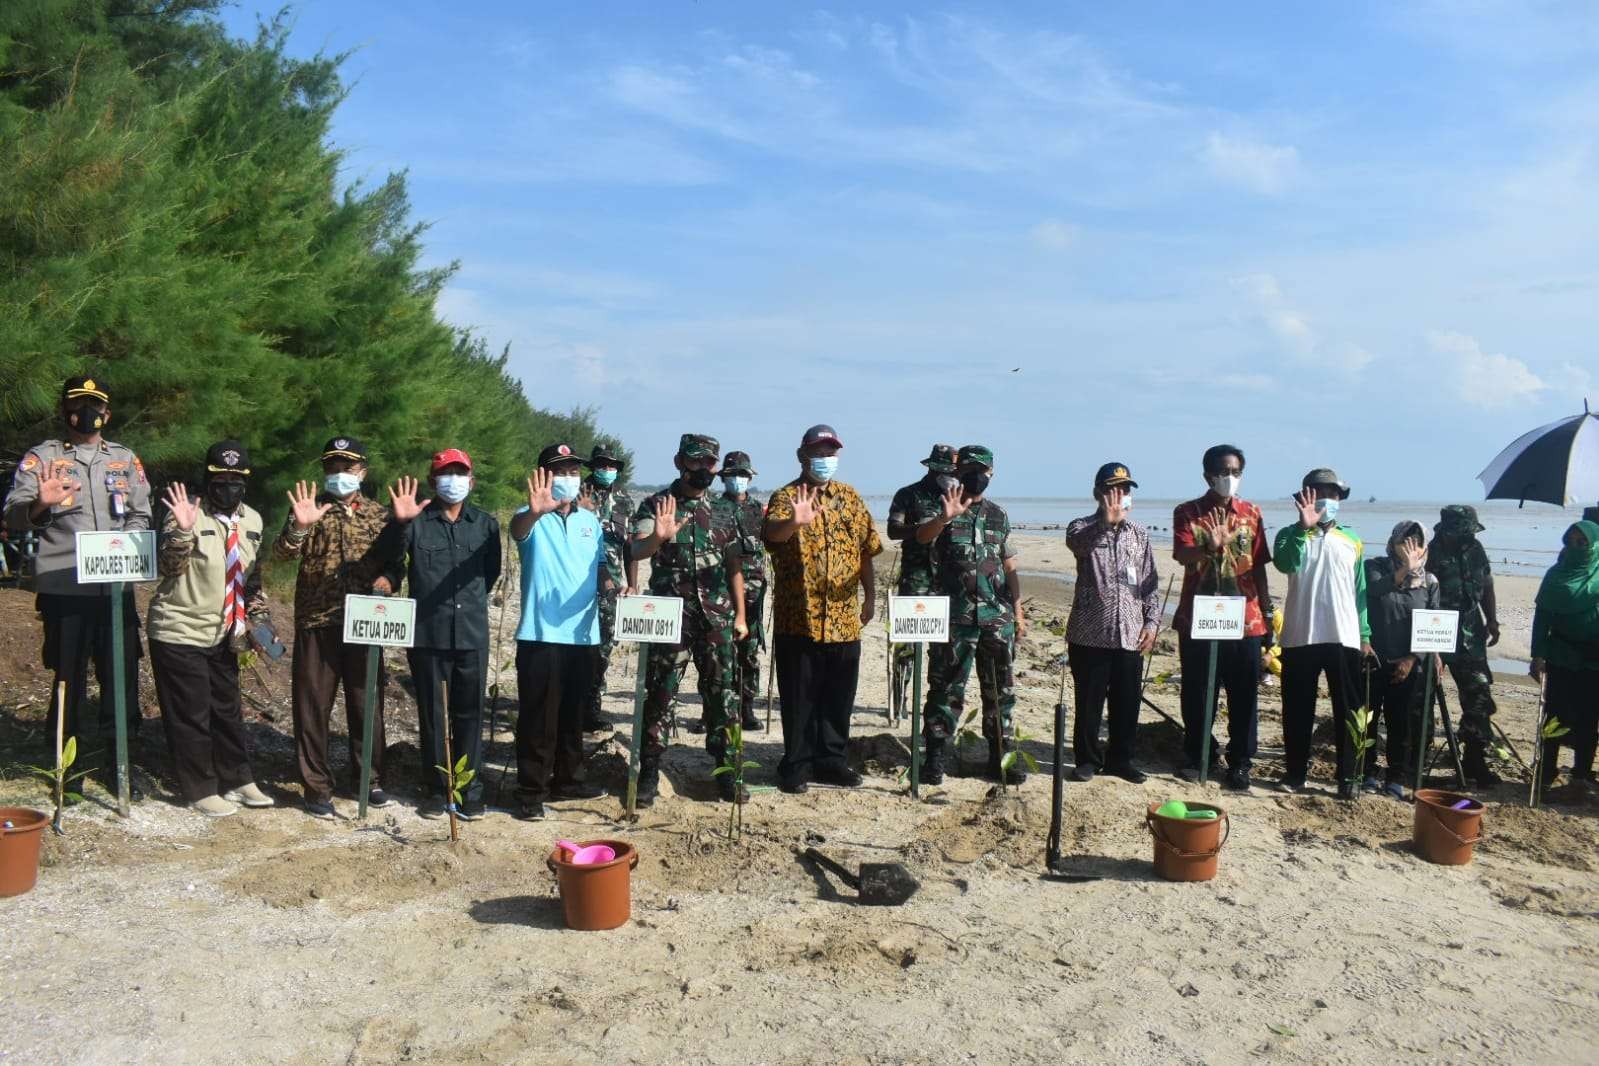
<point>559,540</point>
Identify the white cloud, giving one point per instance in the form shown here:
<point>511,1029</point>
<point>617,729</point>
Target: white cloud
<point>1292,327</point>
<point>1054,234</point>
<point>1264,168</point>
<point>1485,379</point>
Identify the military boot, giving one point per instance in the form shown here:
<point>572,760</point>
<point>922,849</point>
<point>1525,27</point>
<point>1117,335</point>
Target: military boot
<point>649,782</point>
<point>932,772</point>
<point>1475,763</point>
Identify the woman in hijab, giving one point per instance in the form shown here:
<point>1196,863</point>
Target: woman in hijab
<point>1565,649</point>
<point>1397,586</point>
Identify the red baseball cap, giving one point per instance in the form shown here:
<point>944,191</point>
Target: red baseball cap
<point>821,434</point>
<point>448,457</point>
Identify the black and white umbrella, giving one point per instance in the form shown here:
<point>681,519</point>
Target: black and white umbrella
<point>1557,463</point>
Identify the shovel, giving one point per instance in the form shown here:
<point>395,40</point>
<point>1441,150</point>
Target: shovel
<point>881,884</point>
<point>1053,868</point>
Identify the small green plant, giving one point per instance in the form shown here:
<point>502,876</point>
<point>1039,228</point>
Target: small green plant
<point>59,778</point>
<point>1553,730</point>
<point>1359,725</point>
<point>965,734</point>
<point>455,781</point>
<point>733,762</point>
<point>1016,752</point>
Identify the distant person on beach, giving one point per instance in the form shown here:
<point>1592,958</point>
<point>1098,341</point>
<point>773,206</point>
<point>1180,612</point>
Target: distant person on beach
<point>822,541</point>
<point>1565,651</point>
<point>1397,586</point>
<point>1220,540</point>
<point>1325,629</point>
<point>1115,617</point>
<point>1466,584</point>
<point>913,505</point>
<point>976,567</point>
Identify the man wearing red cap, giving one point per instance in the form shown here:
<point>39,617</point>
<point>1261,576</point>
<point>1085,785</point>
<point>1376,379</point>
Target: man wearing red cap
<point>454,561</point>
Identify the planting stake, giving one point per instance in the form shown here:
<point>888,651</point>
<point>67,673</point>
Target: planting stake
<point>370,712</point>
<point>119,701</point>
<point>1052,859</point>
<point>449,759</point>
<point>771,671</point>
<point>61,727</point>
<point>637,744</point>
<point>1149,660</point>
<point>1449,735</point>
<point>1537,748</point>
<point>1424,726</point>
<point>1510,745</point>
<point>1210,714</point>
<point>916,724</point>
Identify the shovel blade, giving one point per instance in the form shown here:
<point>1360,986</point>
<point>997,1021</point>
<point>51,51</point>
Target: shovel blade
<point>886,884</point>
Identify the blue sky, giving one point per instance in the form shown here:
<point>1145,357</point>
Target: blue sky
<point>1362,235</point>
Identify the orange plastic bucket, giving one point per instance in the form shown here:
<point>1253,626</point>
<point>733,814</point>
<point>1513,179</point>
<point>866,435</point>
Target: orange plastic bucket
<point>598,895</point>
<point>19,848</point>
<point>1444,835</point>
<point>1186,848</point>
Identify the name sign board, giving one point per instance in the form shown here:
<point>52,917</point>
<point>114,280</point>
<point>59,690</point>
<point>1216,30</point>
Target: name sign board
<point>650,619</point>
<point>386,620</point>
<point>1217,618</point>
<point>116,555</point>
<point>1434,631</point>
<point>918,619</point>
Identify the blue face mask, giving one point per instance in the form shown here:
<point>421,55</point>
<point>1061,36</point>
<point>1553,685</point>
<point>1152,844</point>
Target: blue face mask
<point>1328,509</point>
<point>343,484</point>
<point>452,488</point>
<point>822,467</point>
<point>737,484</point>
<point>565,488</point>
<point>604,478</point>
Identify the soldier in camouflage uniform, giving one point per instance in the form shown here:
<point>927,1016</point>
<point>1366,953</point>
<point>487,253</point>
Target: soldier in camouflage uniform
<point>619,574</point>
<point>912,505</point>
<point>976,566</point>
<point>750,515</point>
<point>693,542</point>
<point>1466,584</point>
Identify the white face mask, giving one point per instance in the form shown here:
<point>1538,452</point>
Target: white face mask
<point>1127,501</point>
<point>452,488</point>
<point>565,488</point>
<point>737,484</point>
<point>1328,509</point>
<point>1225,485</point>
<point>342,484</point>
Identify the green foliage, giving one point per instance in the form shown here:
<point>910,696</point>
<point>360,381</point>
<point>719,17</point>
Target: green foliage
<point>1008,761</point>
<point>457,779</point>
<point>733,762</point>
<point>172,223</point>
<point>1359,726</point>
<point>1553,730</point>
<point>61,776</point>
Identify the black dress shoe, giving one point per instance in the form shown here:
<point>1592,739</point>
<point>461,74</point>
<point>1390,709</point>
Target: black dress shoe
<point>729,790</point>
<point>595,724</point>
<point>577,790</point>
<point>377,798</point>
<point>796,787</point>
<point>750,723</point>
<point>1238,780</point>
<point>842,776</point>
<point>695,726</point>
<point>1084,771</point>
<point>471,810</point>
<point>529,810</point>
<point>1128,773</point>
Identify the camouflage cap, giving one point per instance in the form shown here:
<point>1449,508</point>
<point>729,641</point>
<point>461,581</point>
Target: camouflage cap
<point>1326,475</point>
<point>738,463</point>
<point>1459,519</point>
<point>941,459</point>
<point>603,454</point>
<point>975,453</point>
<point>698,446</point>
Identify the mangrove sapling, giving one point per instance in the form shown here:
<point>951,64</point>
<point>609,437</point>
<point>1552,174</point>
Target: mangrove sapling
<point>1016,752</point>
<point>66,755</point>
<point>1549,730</point>
<point>1359,726</point>
<point>965,734</point>
<point>733,762</point>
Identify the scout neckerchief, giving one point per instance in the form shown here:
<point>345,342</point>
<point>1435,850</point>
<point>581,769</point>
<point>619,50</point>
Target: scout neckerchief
<point>233,596</point>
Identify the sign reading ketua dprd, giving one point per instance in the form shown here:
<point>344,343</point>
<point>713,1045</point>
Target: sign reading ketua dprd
<point>386,620</point>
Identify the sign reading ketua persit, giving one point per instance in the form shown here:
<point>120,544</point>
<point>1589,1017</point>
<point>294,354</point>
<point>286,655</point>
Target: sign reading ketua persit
<point>649,619</point>
<point>918,619</point>
<point>116,555</point>
<point>1434,631</point>
<point>1218,618</point>
<point>386,620</point>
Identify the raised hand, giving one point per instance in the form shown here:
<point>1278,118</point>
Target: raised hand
<point>307,512</point>
<point>1412,555</point>
<point>1309,516</point>
<point>585,498</point>
<point>184,510</point>
<point>53,489</point>
<point>666,520</point>
<point>805,498</point>
<point>403,501</point>
<point>1114,505</point>
<point>954,504</point>
<point>541,492</point>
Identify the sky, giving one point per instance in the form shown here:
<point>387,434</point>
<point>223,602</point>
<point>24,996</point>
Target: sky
<point>1356,235</point>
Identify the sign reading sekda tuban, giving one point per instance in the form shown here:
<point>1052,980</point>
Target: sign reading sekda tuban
<point>386,620</point>
<point>649,619</point>
<point>116,555</point>
<point>1218,618</point>
<point>918,619</point>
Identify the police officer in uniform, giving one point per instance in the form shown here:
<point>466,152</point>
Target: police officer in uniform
<point>82,482</point>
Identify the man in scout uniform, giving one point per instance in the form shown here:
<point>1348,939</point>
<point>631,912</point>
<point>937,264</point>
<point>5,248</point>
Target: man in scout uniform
<point>619,574</point>
<point>913,505</point>
<point>976,566</point>
<point>693,541</point>
<point>737,470</point>
<point>82,482</point>
<point>335,535</point>
<point>1466,584</point>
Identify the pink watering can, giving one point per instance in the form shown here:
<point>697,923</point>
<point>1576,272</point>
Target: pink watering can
<point>594,853</point>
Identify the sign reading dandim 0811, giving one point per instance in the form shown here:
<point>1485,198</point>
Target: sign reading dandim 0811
<point>918,619</point>
<point>116,555</point>
<point>386,620</point>
<point>649,619</point>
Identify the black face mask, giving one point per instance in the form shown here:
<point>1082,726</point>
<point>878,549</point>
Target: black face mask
<point>86,420</point>
<point>698,479</point>
<point>225,496</point>
<point>975,482</point>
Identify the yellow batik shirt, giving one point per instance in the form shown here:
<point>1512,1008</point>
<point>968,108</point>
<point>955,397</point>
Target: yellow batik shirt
<point>817,572</point>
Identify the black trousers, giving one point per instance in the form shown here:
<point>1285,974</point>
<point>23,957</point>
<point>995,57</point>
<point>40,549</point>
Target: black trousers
<point>465,672</point>
<point>552,684</point>
<point>77,629</point>
<point>202,717</point>
<point>1573,697</point>
<point>1398,703</point>
<point>1237,674</point>
<point>1098,674</point>
<point>816,687</point>
<point>1302,671</point>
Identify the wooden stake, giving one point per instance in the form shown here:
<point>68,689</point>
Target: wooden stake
<point>449,761</point>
